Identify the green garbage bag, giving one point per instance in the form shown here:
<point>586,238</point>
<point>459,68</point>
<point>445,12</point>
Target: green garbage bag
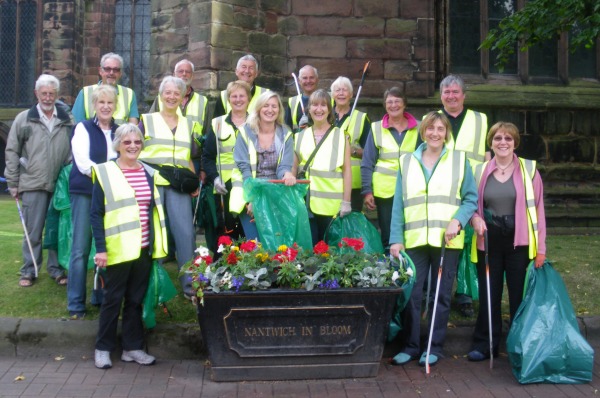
<point>396,321</point>
<point>160,290</point>
<point>466,276</point>
<point>280,213</point>
<point>51,228</point>
<point>206,215</point>
<point>354,225</point>
<point>544,344</point>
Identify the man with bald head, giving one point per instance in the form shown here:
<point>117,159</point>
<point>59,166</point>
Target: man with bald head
<point>296,115</point>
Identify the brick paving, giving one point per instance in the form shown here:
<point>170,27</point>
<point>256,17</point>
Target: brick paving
<point>77,377</point>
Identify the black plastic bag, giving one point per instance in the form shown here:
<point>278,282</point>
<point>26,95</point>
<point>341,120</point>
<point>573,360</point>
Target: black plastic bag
<point>544,344</point>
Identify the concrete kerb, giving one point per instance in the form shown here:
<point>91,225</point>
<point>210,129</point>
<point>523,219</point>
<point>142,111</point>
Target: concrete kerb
<point>54,337</point>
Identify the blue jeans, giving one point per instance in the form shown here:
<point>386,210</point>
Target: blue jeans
<point>80,251</point>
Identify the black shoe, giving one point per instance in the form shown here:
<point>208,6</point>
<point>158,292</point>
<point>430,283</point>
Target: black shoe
<point>478,356</point>
<point>466,310</point>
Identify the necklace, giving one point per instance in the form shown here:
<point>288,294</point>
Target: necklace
<point>503,168</point>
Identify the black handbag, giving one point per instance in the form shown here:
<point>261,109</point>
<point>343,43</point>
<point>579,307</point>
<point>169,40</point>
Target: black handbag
<point>180,178</point>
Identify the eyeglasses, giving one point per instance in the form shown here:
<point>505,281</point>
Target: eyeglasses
<point>507,138</point>
<point>128,142</point>
<point>394,102</point>
<point>108,69</point>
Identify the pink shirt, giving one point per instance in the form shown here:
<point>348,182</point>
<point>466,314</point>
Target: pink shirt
<point>521,227</point>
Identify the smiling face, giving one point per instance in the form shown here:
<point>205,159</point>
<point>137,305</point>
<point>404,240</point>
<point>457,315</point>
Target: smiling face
<point>503,144</point>
<point>184,72</point>
<point>46,96</point>
<point>105,107</point>
<point>342,95</point>
<point>111,71</point>
<point>246,71</point>
<point>269,111</point>
<point>453,99</point>
<point>435,135</point>
<point>319,111</point>
<point>171,96</point>
<point>238,99</point>
<point>394,106</point>
<point>308,80</point>
<point>130,147</point>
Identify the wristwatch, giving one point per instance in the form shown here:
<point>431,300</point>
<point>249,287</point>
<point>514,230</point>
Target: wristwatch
<point>353,151</point>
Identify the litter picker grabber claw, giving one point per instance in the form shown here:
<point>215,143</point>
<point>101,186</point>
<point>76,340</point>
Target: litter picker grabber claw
<point>35,266</point>
<point>489,304</point>
<point>362,81</point>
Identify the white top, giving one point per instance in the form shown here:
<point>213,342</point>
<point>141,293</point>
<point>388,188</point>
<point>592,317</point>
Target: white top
<point>80,144</point>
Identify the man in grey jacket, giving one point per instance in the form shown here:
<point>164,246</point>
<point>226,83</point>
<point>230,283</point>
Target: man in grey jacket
<point>38,146</point>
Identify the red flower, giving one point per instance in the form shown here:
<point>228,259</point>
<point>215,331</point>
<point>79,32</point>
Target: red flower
<point>321,248</point>
<point>232,258</point>
<point>280,257</point>
<point>356,244</point>
<point>207,259</point>
<point>248,246</point>
<point>224,240</point>
<point>291,253</point>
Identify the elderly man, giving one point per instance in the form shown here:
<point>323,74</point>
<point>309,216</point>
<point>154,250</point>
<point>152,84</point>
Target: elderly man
<point>246,70</point>
<point>296,114</point>
<point>110,70</point>
<point>469,130</point>
<point>38,146</point>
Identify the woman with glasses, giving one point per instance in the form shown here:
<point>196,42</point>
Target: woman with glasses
<point>356,126</point>
<point>91,145</point>
<point>511,210</point>
<point>391,137</point>
<point>218,158</point>
<point>125,198</point>
<point>170,140</point>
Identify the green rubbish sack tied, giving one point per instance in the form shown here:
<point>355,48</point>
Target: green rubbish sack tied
<point>280,213</point>
<point>354,225</point>
<point>544,344</point>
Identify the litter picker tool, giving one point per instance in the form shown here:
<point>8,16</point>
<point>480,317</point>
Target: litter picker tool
<point>217,136</point>
<point>362,81</point>
<point>299,92</point>
<point>435,302</point>
<point>489,304</point>
<point>35,266</point>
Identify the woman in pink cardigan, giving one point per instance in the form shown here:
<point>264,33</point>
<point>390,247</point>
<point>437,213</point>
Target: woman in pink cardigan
<point>511,209</point>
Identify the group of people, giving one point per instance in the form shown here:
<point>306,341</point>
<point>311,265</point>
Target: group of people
<point>134,176</point>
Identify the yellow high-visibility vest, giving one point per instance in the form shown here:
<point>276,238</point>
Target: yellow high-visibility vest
<point>326,179</point>
<point>122,227</point>
<point>123,105</point>
<point>162,146</point>
<point>225,137</point>
<point>257,92</point>
<point>352,127</point>
<point>471,137</point>
<point>528,170</point>
<point>386,168</point>
<point>430,205</point>
<point>194,110</point>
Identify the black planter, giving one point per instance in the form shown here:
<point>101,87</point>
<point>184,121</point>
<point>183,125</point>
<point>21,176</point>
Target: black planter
<point>294,334</point>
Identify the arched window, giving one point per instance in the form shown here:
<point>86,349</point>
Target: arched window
<point>132,42</point>
<point>19,35</point>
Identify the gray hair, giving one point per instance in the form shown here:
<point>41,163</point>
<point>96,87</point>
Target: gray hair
<point>123,131</point>
<point>104,90</point>
<point>176,81</point>
<point>47,80</point>
<point>453,79</point>
<point>184,61</point>
<point>108,56</point>
<point>254,116</point>
<point>247,57</point>
<point>342,81</point>
<point>305,67</point>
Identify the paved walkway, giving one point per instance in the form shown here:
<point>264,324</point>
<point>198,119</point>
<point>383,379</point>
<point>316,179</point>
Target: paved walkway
<point>74,376</point>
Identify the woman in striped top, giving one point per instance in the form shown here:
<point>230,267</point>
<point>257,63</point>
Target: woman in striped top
<point>128,226</point>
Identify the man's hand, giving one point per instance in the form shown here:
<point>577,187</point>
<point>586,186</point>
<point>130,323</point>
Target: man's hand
<point>14,192</point>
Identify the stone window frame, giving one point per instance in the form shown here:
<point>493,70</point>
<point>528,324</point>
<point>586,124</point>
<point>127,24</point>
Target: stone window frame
<point>23,85</point>
<point>523,71</point>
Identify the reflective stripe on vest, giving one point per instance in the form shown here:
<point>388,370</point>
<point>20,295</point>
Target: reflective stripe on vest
<point>257,92</point>
<point>386,168</point>
<point>225,137</point>
<point>352,127</point>
<point>123,105</point>
<point>429,206</point>
<point>471,137</point>
<point>123,233</point>
<point>164,147</point>
<point>325,174</point>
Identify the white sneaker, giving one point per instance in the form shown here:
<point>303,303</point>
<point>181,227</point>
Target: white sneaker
<point>102,359</point>
<point>138,356</point>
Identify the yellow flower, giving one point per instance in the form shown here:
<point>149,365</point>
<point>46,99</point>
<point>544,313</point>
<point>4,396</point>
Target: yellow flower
<point>235,249</point>
<point>325,255</point>
<point>282,248</point>
<point>262,256</point>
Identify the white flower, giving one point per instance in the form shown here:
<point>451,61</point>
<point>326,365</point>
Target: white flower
<point>221,248</point>
<point>409,272</point>
<point>299,267</point>
<point>395,276</point>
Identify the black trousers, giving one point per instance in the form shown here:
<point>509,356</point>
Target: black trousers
<point>384,216</point>
<point>124,283</point>
<point>504,259</point>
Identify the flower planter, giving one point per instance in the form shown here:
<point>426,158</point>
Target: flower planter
<point>295,334</point>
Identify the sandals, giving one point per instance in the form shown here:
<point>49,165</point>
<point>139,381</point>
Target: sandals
<point>25,282</point>
<point>61,280</point>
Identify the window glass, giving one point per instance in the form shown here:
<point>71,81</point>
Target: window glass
<point>582,62</point>
<point>464,36</point>
<point>497,10</point>
<point>543,59</point>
